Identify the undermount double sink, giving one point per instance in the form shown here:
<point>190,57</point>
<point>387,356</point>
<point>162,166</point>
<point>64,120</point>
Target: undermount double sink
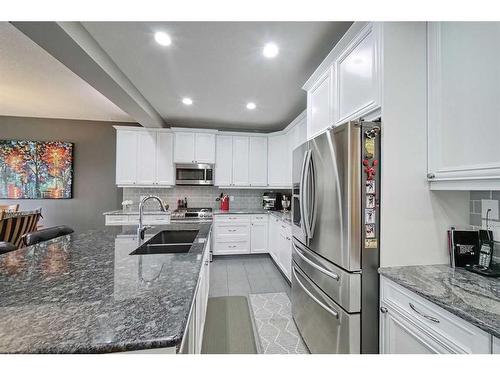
<point>168,242</point>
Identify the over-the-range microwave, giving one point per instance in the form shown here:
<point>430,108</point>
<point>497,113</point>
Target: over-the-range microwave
<point>194,174</point>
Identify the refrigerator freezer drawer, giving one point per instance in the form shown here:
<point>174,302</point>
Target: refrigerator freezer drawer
<point>323,325</point>
<point>341,286</point>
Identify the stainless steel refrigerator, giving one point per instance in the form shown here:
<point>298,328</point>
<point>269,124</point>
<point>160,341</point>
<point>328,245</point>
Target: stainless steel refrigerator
<point>336,239</point>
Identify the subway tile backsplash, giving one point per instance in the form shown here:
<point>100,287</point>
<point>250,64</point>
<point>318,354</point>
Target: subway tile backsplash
<point>476,219</point>
<point>199,196</point>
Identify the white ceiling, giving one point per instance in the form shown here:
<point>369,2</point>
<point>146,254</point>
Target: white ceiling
<point>34,84</point>
<point>221,67</point>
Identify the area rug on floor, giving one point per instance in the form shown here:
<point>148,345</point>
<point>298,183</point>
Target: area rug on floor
<point>228,327</point>
<point>275,326</point>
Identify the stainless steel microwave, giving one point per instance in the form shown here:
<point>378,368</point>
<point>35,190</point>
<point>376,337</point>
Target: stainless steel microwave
<point>194,174</point>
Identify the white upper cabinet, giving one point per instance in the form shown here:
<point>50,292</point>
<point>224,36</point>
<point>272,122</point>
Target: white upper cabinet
<point>319,105</point>
<point>164,158</point>
<point>279,161</point>
<point>224,161</point>
<point>126,157</point>
<point>205,148</point>
<point>357,78</point>
<point>464,87</point>
<point>240,161</point>
<point>347,84</point>
<point>144,157</point>
<point>184,147</point>
<point>258,161</point>
<point>192,147</point>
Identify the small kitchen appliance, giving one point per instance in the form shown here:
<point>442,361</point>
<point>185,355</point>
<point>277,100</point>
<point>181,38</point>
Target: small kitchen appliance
<point>194,174</point>
<point>271,201</point>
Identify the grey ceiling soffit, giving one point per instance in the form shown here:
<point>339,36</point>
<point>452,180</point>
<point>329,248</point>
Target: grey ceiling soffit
<point>72,45</point>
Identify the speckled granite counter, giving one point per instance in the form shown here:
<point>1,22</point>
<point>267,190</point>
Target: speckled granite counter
<point>236,211</point>
<point>472,297</point>
<point>136,212</point>
<point>84,293</point>
<point>285,216</point>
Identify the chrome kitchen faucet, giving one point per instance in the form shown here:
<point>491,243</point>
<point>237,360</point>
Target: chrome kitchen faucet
<point>142,228</point>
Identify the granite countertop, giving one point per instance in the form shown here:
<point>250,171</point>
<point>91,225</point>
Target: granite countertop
<point>235,211</point>
<point>472,297</point>
<point>136,212</point>
<point>285,216</point>
<point>84,293</point>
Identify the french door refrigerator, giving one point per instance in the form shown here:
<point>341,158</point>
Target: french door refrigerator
<point>336,238</point>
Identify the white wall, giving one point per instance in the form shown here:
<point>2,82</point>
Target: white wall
<point>414,219</point>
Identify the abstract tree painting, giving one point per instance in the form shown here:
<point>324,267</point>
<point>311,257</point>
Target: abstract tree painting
<point>36,170</point>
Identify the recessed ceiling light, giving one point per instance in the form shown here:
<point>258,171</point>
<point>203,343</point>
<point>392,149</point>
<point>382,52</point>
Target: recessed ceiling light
<point>251,105</point>
<point>270,50</point>
<point>163,38</point>
<point>187,101</point>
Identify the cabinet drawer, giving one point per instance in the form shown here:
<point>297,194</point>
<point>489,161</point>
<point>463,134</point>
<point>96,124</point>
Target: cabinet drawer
<point>156,219</point>
<point>242,229</point>
<point>116,219</point>
<point>455,333</point>
<point>259,218</point>
<point>233,246</point>
<point>232,218</point>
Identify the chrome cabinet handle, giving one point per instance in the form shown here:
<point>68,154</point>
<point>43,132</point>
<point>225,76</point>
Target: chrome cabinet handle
<point>332,312</point>
<point>383,309</point>
<point>428,317</point>
<point>314,265</point>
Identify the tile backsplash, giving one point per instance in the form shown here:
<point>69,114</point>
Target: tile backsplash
<point>477,214</point>
<point>199,196</point>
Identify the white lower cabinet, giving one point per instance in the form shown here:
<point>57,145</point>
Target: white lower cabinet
<point>125,219</point>
<point>280,244</point>
<point>193,336</point>
<point>258,234</point>
<point>231,234</point>
<point>400,336</point>
<point>411,324</point>
<point>249,234</point>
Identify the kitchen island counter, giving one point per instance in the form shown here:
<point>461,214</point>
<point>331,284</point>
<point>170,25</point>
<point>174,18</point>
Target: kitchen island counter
<point>472,297</point>
<point>84,293</point>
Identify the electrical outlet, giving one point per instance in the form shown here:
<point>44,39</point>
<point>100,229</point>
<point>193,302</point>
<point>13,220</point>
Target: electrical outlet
<point>489,204</point>
<point>231,198</point>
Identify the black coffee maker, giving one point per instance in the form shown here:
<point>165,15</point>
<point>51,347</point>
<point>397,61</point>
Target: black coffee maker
<point>271,201</point>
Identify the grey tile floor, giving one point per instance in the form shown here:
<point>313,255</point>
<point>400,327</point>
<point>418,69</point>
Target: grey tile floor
<point>241,275</point>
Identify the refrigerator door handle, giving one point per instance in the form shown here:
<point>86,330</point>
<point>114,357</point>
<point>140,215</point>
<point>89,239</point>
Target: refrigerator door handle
<point>307,223</point>
<point>301,195</point>
<point>325,307</point>
<point>312,264</point>
<point>312,224</point>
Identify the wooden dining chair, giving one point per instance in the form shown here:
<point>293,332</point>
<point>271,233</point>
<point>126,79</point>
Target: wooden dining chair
<point>9,207</point>
<point>13,225</point>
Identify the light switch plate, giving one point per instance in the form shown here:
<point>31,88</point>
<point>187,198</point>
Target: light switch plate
<point>231,198</point>
<point>489,204</point>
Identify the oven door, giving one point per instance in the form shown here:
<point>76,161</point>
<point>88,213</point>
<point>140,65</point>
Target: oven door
<point>194,174</point>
